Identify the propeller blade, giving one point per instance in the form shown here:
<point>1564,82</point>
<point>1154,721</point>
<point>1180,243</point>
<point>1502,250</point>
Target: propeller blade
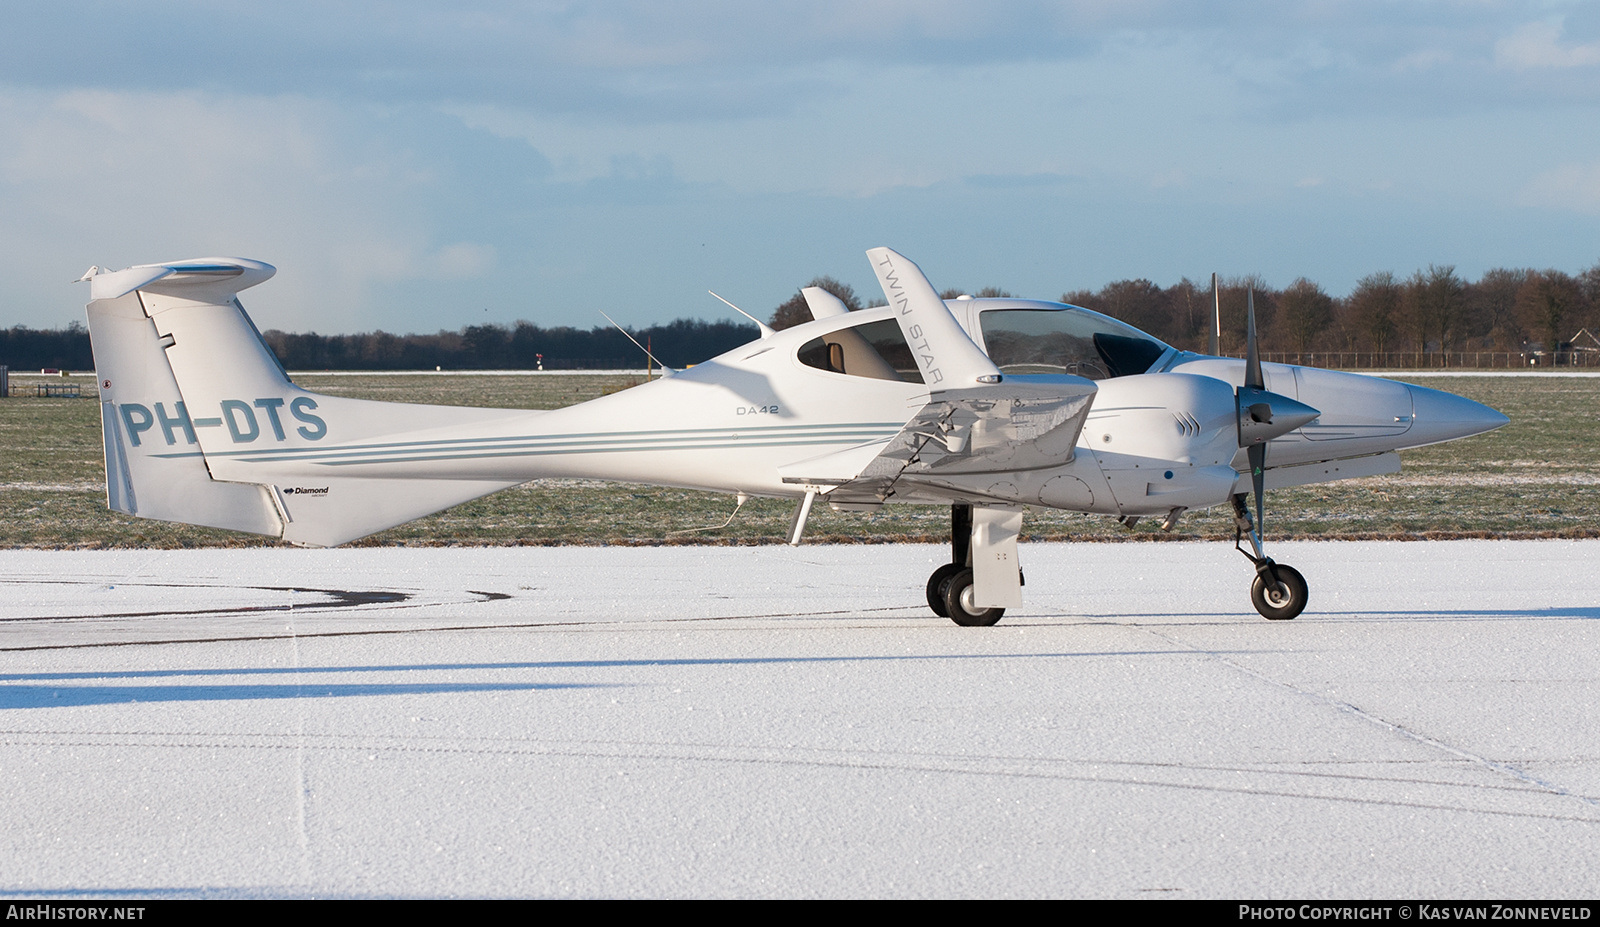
<point>1262,415</point>
<point>1252,359</point>
<point>1216,316</point>
<point>1258,481</point>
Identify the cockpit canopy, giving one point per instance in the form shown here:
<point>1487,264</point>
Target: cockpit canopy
<point>1021,338</point>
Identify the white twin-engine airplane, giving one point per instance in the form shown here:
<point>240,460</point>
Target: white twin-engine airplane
<point>985,405</point>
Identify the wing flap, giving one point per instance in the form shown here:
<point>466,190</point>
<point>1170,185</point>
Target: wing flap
<point>990,429</point>
<point>1010,426</point>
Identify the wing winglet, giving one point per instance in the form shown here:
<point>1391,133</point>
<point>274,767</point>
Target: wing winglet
<point>946,356</point>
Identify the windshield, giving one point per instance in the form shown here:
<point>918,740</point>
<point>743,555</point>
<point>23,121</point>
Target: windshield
<point>1066,340</point>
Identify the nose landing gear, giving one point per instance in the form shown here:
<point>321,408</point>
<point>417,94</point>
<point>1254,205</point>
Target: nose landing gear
<point>1279,592</point>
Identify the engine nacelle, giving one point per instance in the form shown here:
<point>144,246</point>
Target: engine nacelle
<point>1165,441</point>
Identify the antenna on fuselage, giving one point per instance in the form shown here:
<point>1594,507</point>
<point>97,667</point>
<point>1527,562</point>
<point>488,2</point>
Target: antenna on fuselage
<point>766,332</point>
<point>665,370</point>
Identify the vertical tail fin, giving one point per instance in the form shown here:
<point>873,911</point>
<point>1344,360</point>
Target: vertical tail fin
<point>154,464</point>
<point>202,426</point>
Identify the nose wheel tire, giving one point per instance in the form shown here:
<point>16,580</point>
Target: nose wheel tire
<point>937,584</point>
<point>1282,601</point>
<point>960,606</point>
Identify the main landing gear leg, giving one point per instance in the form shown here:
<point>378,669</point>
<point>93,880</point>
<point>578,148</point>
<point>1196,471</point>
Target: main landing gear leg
<point>1279,592</point>
<point>983,567</point>
<point>960,558</point>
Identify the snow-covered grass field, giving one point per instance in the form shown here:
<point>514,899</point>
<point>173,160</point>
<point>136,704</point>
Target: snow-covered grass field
<point>773,722</point>
<point>1534,478</point>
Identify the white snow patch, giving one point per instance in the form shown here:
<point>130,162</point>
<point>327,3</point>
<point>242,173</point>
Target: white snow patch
<point>775,722</point>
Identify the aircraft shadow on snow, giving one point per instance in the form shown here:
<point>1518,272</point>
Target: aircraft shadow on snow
<point>34,690</point>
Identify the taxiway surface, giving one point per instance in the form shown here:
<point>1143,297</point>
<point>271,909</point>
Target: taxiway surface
<point>769,722</point>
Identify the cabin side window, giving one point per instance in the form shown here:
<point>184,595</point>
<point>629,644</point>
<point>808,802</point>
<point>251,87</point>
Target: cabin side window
<point>876,350</point>
<point>1067,340</point>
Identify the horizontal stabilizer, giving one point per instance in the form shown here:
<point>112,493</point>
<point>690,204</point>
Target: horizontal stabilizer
<point>214,279</point>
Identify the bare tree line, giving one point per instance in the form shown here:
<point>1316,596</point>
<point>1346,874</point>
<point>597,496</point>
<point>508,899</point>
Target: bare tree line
<point>523,346</point>
<point>1518,313</point>
<point>1432,311</point>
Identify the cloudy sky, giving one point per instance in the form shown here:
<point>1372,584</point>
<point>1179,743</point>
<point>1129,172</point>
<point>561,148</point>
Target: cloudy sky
<point>413,166</point>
